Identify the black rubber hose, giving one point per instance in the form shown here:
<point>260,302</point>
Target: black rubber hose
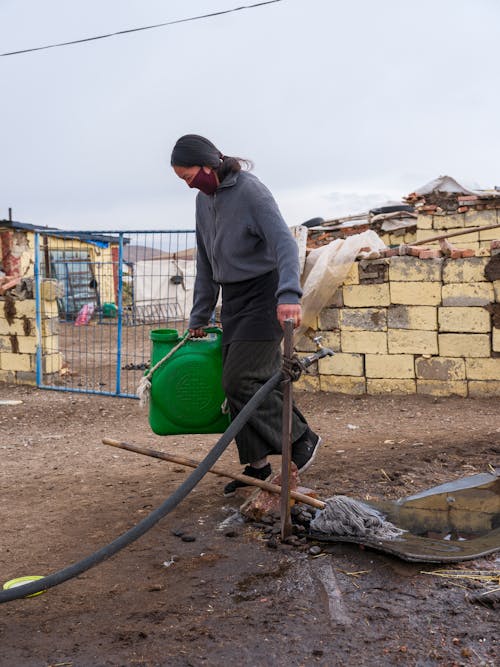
<point>148,522</point>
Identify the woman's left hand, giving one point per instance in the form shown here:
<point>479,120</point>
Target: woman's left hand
<point>290,311</point>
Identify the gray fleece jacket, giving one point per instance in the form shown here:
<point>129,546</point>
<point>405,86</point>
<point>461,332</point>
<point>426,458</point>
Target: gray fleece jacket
<point>241,234</point>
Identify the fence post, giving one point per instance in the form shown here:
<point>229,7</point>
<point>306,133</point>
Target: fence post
<point>120,316</point>
<point>38,313</point>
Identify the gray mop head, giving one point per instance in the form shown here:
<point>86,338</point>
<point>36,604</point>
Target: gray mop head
<point>347,517</point>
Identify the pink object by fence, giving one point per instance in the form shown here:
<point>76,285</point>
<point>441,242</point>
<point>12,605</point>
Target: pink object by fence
<point>85,314</point>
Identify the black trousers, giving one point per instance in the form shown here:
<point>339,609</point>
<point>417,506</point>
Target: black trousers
<point>247,365</point>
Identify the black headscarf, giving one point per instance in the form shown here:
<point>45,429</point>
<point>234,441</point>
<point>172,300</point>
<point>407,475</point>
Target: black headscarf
<point>193,150</point>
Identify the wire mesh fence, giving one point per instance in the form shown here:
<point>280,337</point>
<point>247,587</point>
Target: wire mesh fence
<point>99,295</point>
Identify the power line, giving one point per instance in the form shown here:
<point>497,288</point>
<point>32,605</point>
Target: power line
<point>146,27</point>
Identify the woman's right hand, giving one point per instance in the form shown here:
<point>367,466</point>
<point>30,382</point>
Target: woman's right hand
<point>197,333</point>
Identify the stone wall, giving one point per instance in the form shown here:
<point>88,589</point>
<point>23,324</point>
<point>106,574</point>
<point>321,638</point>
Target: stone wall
<point>408,325</point>
<point>18,336</point>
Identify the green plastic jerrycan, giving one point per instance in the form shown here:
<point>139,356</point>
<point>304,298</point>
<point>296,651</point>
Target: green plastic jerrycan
<point>186,390</point>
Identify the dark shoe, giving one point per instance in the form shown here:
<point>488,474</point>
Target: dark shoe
<point>257,473</point>
<point>304,449</point>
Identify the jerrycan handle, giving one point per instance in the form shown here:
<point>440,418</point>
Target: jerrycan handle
<point>215,330</point>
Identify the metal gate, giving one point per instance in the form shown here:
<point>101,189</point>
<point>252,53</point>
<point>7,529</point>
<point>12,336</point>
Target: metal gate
<point>98,295</point>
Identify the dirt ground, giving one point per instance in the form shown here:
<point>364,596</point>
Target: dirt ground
<point>225,597</point>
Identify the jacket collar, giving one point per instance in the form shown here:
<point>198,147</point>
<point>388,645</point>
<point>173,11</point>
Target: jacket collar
<point>230,180</point>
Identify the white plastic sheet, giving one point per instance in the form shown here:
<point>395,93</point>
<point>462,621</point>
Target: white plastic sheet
<point>326,269</point>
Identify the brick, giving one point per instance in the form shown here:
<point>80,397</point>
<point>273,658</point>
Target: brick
<point>483,369</point>
<point>329,319</point>
<point>410,269</point>
<point>430,254</point>
<point>395,239</point>
<point>468,294</point>
<point>26,377</point>
<point>424,234</point>
<point>424,221</point>
<point>7,283</point>
<point>337,300</point>
<point>416,293</point>
<point>373,271</point>
<point>365,296</point>
<point>412,317</point>
<point>5,344</point>
<point>50,344</point>
<point>51,363</point>
<point>25,308</point>
<point>27,344</point>
<point>451,221</point>
<point>402,341</point>
<point>440,388</point>
<point>387,386</point>
<point>440,368</point>
<point>50,326</point>
<point>343,384</point>
<point>342,364</point>
<point>452,252</point>
<point>307,383</point>
<point>374,342</point>
<point>16,362</point>
<point>364,319</point>
<point>389,366</point>
<point>414,251</point>
<point>484,250</point>
<point>305,344</point>
<point>464,345</point>
<point>484,389</point>
<point>467,248</point>
<point>49,289</point>
<point>471,319</point>
<point>352,277</point>
<point>49,308</point>
<point>469,270</point>
<point>7,376</point>
<point>495,340</point>
<point>330,339</point>
<point>480,218</point>
<point>17,326</point>
<point>467,238</point>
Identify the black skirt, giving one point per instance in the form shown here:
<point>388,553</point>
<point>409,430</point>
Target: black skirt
<point>249,310</point>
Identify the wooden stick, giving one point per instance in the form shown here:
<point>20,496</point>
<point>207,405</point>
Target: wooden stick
<point>468,230</point>
<point>192,463</point>
<point>286,436</point>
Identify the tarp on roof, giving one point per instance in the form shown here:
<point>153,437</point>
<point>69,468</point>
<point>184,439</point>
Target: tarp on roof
<point>444,184</point>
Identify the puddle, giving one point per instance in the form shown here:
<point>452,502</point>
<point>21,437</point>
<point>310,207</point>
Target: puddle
<point>455,521</point>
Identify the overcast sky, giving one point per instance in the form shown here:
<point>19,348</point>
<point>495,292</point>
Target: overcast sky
<point>341,105</point>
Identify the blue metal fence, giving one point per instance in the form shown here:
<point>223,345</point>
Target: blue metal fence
<point>98,295</point>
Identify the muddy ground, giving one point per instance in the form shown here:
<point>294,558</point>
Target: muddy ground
<point>225,597</point>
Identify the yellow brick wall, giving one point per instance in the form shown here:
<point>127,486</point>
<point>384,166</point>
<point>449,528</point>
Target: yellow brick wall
<point>427,329</point>
<point>19,340</point>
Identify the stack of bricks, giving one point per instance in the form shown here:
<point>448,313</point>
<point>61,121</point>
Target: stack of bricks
<point>18,336</point>
<point>443,211</point>
<point>479,241</point>
<point>407,325</point>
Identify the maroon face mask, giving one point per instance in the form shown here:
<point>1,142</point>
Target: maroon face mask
<point>207,183</point>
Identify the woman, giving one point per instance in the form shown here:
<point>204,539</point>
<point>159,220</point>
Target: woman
<point>245,248</point>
